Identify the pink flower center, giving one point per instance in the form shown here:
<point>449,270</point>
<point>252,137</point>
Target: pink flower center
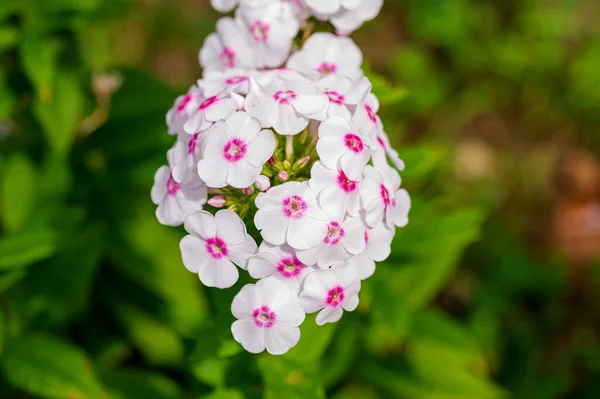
<point>209,102</point>
<point>385,195</point>
<point>294,207</point>
<point>353,143</point>
<point>227,57</point>
<point>371,114</point>
<point>263,317</point>
<point>335,296</point>
<point>334,234</point>
<point>260,31</point>
<point>193,144</point>
<point>216,248</point>
<point>326,68</point>
<point>346,184</point>
<point>185,101</point>
<point>235,150</point>
<point>285,97</point>
<point>335,97</point>
<point>289,267</point>
<point>172,186</point>
<point>236,80</point>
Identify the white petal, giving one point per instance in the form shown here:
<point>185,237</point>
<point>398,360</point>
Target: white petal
<point>289,121</point>
<point>262,107</point>
<point>306,232</point>
<point>330,149</point>
<point>350,303</point>
<point>221,109</point>
<point>245,302</point>
<point>402,208</point>
<point>242,174</point>
<point>333,201</point>
<point>353,165</point>
<point>168,212</point>
<point>280,339</point>
<point>262,265</point>
<point>201,224</point>
<point>273,293</point>
<point>230,227</point>
<point>243,126</point>
<point>249,335</point>
<point>241,253</point>
<point>213,171</point>
<point>291,314</point>
<point>261,148</point>
<point>273,226</point>
<point>354,238</point>
<point>159,189</point>
<point>365,266</point>
<point>193,253</point>
<point>329,315</point>
<point>219,273</point>
<point>309,104</point>
<point>316,286</point>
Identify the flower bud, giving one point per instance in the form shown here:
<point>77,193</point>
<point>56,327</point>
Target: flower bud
<point>248,190</point>
<point>262,183</point>
<point>217,202</point>
<point>301,163</point>
<point>283,176</point>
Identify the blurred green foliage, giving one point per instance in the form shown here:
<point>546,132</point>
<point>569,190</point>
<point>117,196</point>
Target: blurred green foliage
<point>94,300</point>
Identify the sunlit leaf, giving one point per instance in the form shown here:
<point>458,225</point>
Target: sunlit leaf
<point>25,248</point>
<point>126,384</point>
<point>18,192</point>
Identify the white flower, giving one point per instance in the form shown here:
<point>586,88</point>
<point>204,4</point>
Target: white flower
<point>343,145</point>
<point>324,54</point>
<point>235,152</point>
<point>224,5</point>
<point>349,20</point>
<point>270,29</point>
<point>268,317</point>
<point>274,105</point>
<point>382,150</point>
<point>343,241</point>
<point>289,213</point>
<point>330,7</point>
<point>378,242</point>
<point>226,49</point>
<point>211,110</point>
<point>382,199</point>
<point>280,262</point>
<point>365,116</point>
<point>333,290</point>
<point>183,108</point>
<point>229,81</point>
<point>176,201</point>
<point>336,193</point>
<point>184,157</point>
<point>215,243</point>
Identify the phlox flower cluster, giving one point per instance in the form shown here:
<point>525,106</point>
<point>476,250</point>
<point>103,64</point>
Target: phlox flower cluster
<point>294,156</point>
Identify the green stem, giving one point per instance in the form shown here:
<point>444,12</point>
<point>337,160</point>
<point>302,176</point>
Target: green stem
<point>289,148</point>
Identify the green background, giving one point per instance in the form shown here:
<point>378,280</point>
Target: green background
<point>490,292</point>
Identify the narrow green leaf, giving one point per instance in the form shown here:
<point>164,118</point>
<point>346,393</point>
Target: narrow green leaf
<point>315,340</point>
<point>18,192</point>
<point>49,368</point>
<point>224,394</point>
<point>127,384</point>
<point>9,38</point>
<point>10,278</point>
<point>287,379</point>
<point>25,248</point>
<point>39,57</point>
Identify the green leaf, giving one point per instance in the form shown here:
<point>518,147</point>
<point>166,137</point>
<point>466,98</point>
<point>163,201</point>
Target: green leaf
<point>60,113</point>
<point>49,368</point>
<point>224,394</point>
<point>421,160</point>
<point>126,384</point>
<point>9,38</point>
<point>287,379</point>
<point>18,192</point>
<point>315,340</point>
<point>386,92</point>
<point>39,58</point>
<point>1,333</point>
<point>7,98</point>
<point>25,248</point>
<point>8,279</point>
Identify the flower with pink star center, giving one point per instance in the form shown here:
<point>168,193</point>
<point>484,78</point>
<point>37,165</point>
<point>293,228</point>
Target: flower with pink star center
<point>264,317</point>
<point>227,57</point>
<point>385,195</point>
<point>371,114</point>
<point>235,150</point>
<point>335,97</point>
<point>354,143</point>
<point>172,186</point>
<point>326,68</point>
<point>285,97</point>
<point>193,143</point>
<point>289,267</point>
<point>294,207</point>
<point>216,248</point>
<point>236,80</point>
<point>335,296</point>
<point>208,102</point>
<point>334,234</point>
<point>185,101</point>
<point>347,185</point>
<point>260,31</point>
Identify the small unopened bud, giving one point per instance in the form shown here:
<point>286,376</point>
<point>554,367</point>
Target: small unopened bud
<point>302,162</point>
<point>248,190</point>
<point>272,161</point>
<point>217,202</point>
<point>283,176</point>
<point>262,183</point>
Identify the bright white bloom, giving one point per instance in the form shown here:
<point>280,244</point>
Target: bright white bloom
<point>228,48</point>
<point>289,214</point>
<point>351,19</point>
<point>268,317</point>
<point>275,105</point>
<point>336,193</point>
<point>211,110</point>
<point>184,157</point>
<point>183,108</point>
<point>324,54</point>
<point>331,7</point>
<point>378,242</point>
<point>280,262</point>
<point>176,201</point>
<point>382,150</point>
<point>343,241</point>
<point>270,29</point>
<point>215,243</point>
<point>365,116</point>
<point>224,5</point>
<point>235,152</point>
<point>229,81</point>
<point>343,145</point>
<point>333,290</point>
<point>383,199</point>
